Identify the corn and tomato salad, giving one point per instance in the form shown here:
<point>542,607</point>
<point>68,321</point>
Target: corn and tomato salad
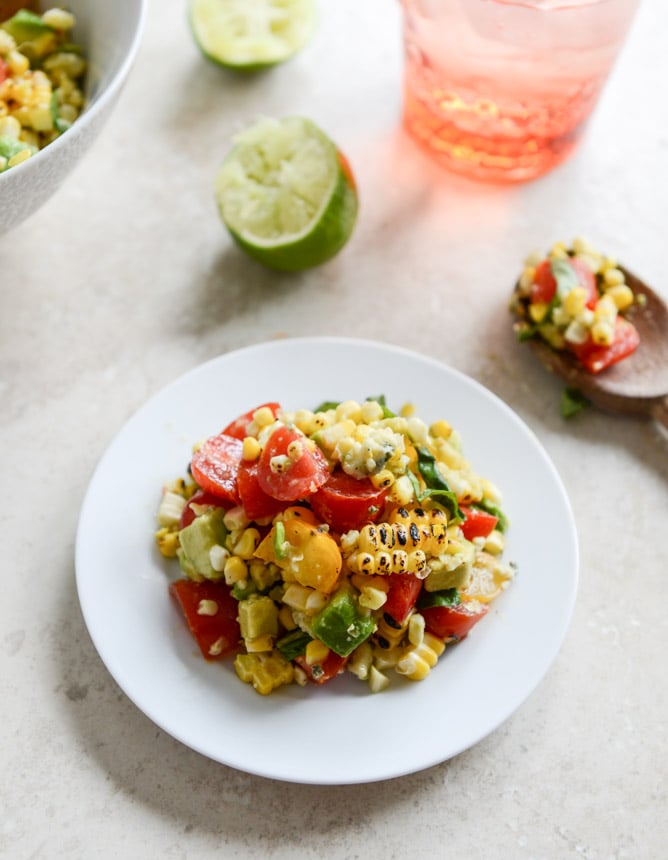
<point>347,538</point>
<point>41,76</point>
<point>575,299</point>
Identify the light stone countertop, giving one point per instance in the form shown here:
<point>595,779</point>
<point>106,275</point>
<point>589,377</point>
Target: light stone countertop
<point>126,279</point>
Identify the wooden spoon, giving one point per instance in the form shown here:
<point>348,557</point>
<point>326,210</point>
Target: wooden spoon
<point>638,384</point>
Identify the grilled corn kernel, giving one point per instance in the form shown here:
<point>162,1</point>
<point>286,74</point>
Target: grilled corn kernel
<point>559,251</point>
<point>259,644</point>
<point>286,618</point>
<point>402,491</point>
<point>371,410</point>
<point>494,543</point>
<point>382,479</point>
<point>247,543</point>
<point>24,155</point>
<point>263,416</point>
<point>17,63</point>
<point>168,542</point>
<point>416,629</point>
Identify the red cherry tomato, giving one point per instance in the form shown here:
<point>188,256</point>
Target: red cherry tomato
<point>198,498</point>
<point>320,673</point>
<point>477,523</point>
<point>239,427</point>
<point>215,467</point>
<point>257,504</point>
<point>401,597</point>
<point>216,634</point>
<point>302,471</point>
<point>346,503</point>
<point>545,284</point>
<point>596,358</point>
<point>3,70</point>
<point>453,621</point>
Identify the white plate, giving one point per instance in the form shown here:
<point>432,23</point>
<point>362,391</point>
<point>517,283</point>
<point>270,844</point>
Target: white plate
<point>339,733</point>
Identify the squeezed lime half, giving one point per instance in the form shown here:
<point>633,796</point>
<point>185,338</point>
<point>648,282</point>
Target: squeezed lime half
<point>287,194</point>
<point>249,35</point>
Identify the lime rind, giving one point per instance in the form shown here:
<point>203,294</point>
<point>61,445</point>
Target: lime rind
<point>250,35</point>
<point>286,194</point>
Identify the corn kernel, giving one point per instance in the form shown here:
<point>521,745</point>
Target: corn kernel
<point>59,19</point>
<point>286,618</point>
<point>602,333</point>
<point>247,543</point>
<point>263,416</point>
<point>613,277</point>
<point>17,63</point>
<point>316,652</point>
<point>575,301</point>
<point>235,570</point>
<point>371,411</point>
<point>24,155</point>
<point>559,251</point>
<point>441,429</point>
<point>622,296</point>
<point>251,448</point>
<point>377,680</point>
<point>538,310</point>
<point>382,479</point>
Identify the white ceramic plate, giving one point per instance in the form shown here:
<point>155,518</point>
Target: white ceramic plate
<point>339,733</point>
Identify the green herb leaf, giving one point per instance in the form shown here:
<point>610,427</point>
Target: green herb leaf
<point>387,413</point>
<point>281,546</point>
<point>437,487</point>
<point>293,644</point>
<point>564,275</point>
<point>489,508</point>
<point>326,405</point>
<point>448,597</point>
<point>572,402</point>
<point>524,331</point>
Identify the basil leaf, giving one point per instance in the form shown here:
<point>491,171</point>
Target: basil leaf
<point>326,405</point>
<point>564,275</point>
<point>572,402</point>
<point>387,413</point>
<point>437,487</point>
<point>448,597</point>
<point>293,644</point>
<point>489,508</point>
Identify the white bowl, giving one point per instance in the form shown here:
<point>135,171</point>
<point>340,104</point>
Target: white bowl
<point>109,33</point>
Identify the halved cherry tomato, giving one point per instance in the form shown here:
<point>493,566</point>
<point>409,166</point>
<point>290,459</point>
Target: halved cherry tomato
<point>453,621</point>
<point>401,598</point>
<point>199,498</point>
<point>302,471</point>
<point>257,504</point>
<point>545,285</point>
<point>596,358</point>
<point>320,673</point>
<point>216,634</point>
<point>239,427</point>
<point>215,467</point>
<point>346,503</point>
<point>477,523</point>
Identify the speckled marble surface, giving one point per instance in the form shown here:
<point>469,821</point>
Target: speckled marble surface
<point>136,282</point>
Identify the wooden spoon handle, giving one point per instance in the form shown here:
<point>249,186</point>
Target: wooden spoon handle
<point>660,412</point>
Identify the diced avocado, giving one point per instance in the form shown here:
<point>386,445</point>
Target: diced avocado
<point>197,540</point>
<point>341,626</point>
<point>258,616</point>
<point>10,146</point>
<point>26,26</point>
<point>451,571</point>
<point>440,580</point>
